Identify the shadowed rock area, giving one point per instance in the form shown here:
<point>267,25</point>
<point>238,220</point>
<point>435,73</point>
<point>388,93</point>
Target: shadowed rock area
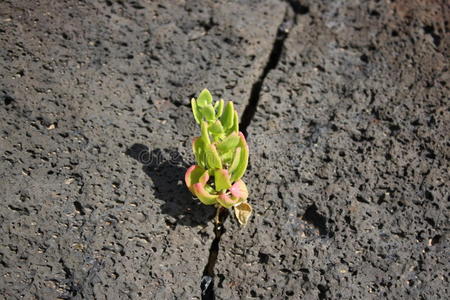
<point>345,106</point>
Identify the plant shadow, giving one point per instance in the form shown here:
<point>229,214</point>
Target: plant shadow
<point>166,168</point>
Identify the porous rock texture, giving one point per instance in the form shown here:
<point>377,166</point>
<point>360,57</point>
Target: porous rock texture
<point>95,139</point>
<point>349,148</point>
<point>350,158</point>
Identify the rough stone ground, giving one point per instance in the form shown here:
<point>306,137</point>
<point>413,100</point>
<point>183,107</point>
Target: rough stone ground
<point>349,173</point>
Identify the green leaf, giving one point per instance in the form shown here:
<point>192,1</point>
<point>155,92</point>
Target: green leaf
<point>196,147</point>
<point>212,157</point>
<point>219,107</point>
<point>203,161</point>
<point>204,178</point>
<point>243,161</point>
<point>236,159</point>
<point>216,128</point>
<point>199,152</point>
<point>226,157</point>
<point>195,111</point>
<point>227,201</point>
<point>210,189</point>
<point>192,176</point>
<point>227,116</point>
<point>204,98</point>
<point>222,179</point>
<point>243,212</point>
<point>208,112</point>
<point>203,195</point>
<point>235,126</point>
<point>229,143</point>
<point>205,134</point>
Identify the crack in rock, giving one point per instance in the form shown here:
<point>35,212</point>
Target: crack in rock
<point>207,282</point>
<point>283,31</point>
<point>290,18</point>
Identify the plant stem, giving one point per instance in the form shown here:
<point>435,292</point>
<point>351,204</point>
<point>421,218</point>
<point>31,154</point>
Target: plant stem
<point>217,218</point>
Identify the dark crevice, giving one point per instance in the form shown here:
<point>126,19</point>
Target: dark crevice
<point>208,25</point>
<point>79,208</point>
<point>294,9</point>
<point>316,219</point>
<point>436,239</point>
<point>298,8</point>
<point>274,58</point>
<point>290,18</point>
<point>207,283</point>
<point>322,291</point>
<point>436,38</point>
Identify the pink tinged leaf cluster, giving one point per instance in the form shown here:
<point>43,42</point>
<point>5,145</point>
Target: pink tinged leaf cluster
<point>221,153</point>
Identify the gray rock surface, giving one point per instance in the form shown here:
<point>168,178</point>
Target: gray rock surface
<point>350,161</point>
<point>349,172</point>
<point>95,139</point>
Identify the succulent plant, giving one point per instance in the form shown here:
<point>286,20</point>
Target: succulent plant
<point>221,154</point>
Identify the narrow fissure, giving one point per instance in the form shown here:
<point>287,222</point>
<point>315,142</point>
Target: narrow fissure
<point>207,283</point>
<point>282,33</point>
<point>290,18</point>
